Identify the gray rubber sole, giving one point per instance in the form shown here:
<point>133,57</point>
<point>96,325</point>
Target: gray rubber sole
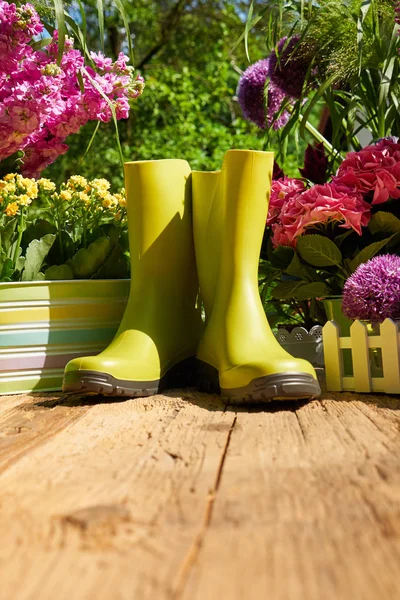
<point>87,382</point>
<point>281,386</point>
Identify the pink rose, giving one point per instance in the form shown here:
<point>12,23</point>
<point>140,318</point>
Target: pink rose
<point>281,192</point>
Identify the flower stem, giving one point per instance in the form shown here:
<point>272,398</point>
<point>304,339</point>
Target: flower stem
<point>320,138</point>
<point>20,232</point>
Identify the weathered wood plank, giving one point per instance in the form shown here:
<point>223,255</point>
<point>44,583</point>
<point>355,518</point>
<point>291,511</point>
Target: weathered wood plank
<point>112,506</point>
<point>179,499</point>
<point>308,507</point>
<point>29,421</point>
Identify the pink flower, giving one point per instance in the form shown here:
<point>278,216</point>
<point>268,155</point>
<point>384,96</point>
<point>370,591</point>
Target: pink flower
<point>321,204</point>
<point>373,170</point>
<point>41,102</point>
<point>281,191</point>
<point>101,62</point>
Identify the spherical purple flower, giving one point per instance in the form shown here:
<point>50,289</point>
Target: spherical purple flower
<point>288,68</point>
<point>372,293</point>
<point>251,95</point>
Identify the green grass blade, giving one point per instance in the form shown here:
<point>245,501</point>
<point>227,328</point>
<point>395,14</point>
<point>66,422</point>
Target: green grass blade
<point>90,142</point>
<point>247,29</point>
<point>125,20</point>
<point>100,16</point>
<point>114,116</point>
<point>60,20</point>
<point>83,26</point>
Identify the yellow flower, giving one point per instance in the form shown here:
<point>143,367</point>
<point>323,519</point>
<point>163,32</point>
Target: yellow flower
<point>120,199</point>
<point>64,195</point>
<point>11,209</point>
<point>84,197</point>
<point>77,183</point>
<point>109,201</point>
<point>24,200</point>
<point>100,184</point>
<point>10,187</point>
<point>9,177</point>
<point>46,185</point>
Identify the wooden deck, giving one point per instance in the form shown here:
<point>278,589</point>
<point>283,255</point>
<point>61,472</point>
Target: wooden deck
<point>178,497</point>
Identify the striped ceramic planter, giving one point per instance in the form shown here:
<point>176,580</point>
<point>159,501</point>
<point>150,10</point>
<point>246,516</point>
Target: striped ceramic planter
<point>44,324</point>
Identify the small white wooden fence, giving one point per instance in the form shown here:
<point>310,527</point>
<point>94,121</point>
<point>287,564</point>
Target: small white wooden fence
<point>360,343</point>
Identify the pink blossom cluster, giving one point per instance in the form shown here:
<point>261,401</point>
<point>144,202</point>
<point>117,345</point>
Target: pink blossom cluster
<point>365,178</point>
<point>374,171</point>
<point>294,209</point>
<point>41,102</point>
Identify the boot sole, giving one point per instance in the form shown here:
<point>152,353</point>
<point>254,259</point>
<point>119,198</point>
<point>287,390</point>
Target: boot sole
<point>87,382</point>
<point>280,386</point>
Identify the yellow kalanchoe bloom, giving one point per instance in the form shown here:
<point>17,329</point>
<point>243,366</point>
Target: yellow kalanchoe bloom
<point>65,195</point>
<point>108,201</point>
<point>46,185</point>
<point>10,177</point>
<point>77,183</point>
<point>100,184</point>
<point>120,199</point>
<point>24,200</point>
<point>11,209</point>
<point>84,197</point>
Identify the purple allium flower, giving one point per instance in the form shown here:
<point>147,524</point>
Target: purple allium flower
<point>287,68</point>
<point>251,97</point>
<point>372,293</point>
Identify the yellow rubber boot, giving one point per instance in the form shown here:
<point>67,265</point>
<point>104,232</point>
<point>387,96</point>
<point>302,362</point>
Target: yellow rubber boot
<point>161,326</point>
<point>238,354</point>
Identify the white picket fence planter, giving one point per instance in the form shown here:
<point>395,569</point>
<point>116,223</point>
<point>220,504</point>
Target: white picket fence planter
<point>360,344</point>
<point>303,344</point>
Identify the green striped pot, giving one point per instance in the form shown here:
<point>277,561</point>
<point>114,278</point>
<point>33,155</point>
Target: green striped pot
<point>44,324</point>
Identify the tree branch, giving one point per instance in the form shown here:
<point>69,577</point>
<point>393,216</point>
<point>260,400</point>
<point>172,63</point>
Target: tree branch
<point>168,27</point>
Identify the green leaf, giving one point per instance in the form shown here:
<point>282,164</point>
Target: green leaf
<point>297,269</point>
<point>319,251</point>
<point>384,222</point>
<point>7,234</point>
<point>59,272</point>
<point>316,289</point>
<point>299,290</point>
<point>368,253</point>
<point>7,270</point>
<point>281,257</point>
<point>286,290</point>
<point>20,264</point>
<point>35,255</point>
<point>339,239</point>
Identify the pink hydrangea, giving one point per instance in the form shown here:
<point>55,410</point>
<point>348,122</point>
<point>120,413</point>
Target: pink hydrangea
<point>41,102</point>
<point>282,190</point>
<point>320,204</point>
<point>374,171</point>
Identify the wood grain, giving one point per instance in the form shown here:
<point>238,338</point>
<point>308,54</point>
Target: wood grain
<point>178,497</point>
<point>308,507</point>
<point>111,505</point>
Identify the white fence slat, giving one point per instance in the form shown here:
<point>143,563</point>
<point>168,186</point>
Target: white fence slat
<point>332,357</point>
<point>390,356</point>
<point>359,343</point>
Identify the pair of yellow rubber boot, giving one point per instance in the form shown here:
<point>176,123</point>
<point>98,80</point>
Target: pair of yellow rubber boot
<point>189,228</point>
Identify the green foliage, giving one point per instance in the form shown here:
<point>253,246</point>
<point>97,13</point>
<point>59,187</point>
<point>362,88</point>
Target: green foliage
<point>35,255</point>
<point>352,49</point>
